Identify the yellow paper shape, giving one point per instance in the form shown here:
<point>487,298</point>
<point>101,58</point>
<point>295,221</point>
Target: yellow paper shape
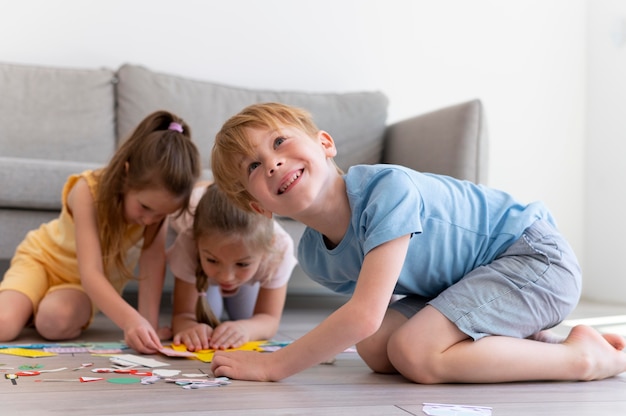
<point>26,352</point>
<point>207,355</point>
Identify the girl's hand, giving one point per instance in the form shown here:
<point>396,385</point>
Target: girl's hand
<point>243,365</point>
<point>195,338</point>
<point>141,336</point>
<point>230,334</point>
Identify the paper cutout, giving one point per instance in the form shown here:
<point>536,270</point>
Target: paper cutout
<point>207,355</point>
<point>25,352</point>
<point>163,372</point>
<point>130,360</point>
<point>65,350</point>
<point>441,409</point>
<point>124,380</point>
<point>88,379</point>
<point>30,367</point>
<point>173,353</point>
<point>90,346</point>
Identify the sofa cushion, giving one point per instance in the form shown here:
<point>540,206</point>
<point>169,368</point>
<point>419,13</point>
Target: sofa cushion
<point>57,113</point>
<point>355,120</point>
<point>36,183</point>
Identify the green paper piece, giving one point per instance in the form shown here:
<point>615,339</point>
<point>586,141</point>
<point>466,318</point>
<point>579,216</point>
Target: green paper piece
<point>124,380</point>
<point>30,367</point>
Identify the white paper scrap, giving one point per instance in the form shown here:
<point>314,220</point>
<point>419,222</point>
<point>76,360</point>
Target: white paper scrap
<point>134,360</point>
<point>441,409</point>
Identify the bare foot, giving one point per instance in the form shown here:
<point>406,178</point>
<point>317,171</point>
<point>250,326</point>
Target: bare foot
<point>600,355</point>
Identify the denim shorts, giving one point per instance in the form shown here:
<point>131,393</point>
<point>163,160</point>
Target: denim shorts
<point>532,286</point>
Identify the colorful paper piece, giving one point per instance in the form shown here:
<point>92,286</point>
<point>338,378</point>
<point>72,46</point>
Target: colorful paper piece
<point>130,360</point>
<point>173,353</point>
<point>207,355</point>
<point>124,380</point>
<point>442,409</point>
<point>88,379</point>
<point>65,350</point>
<point>190,383</point>
<point>26,352</point>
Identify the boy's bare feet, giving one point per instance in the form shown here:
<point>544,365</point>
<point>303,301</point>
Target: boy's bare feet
<point>600,355</point>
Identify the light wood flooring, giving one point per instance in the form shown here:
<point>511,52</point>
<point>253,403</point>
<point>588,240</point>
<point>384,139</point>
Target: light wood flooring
<point>345,387</point>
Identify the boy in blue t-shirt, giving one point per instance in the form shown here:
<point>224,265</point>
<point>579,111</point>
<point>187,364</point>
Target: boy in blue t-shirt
<point>484,276</point>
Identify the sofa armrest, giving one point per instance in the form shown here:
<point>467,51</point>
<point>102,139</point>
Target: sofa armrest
<point>450,141</point>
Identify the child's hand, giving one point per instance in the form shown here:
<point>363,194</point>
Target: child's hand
<point>195,338</point>
<point>140,336</point>
<point>243,365</point>
<point>230,334</point>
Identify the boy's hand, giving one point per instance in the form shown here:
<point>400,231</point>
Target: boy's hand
<point>242,365</point>
<point>195,338</point>
<point>141,337</point>
<point>230,334</point>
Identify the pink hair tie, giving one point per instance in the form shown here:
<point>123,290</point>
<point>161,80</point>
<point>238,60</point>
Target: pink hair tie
<point>202,294</point>
<point>176,126</point>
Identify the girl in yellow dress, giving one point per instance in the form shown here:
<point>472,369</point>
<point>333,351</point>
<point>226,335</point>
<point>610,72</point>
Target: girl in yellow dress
<point>111,220</point>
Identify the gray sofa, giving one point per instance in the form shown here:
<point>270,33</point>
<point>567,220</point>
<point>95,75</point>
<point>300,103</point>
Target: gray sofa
<point>57,121</point>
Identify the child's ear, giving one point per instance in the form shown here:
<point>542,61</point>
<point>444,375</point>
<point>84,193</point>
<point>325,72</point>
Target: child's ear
<point>327,143</point>
<point>256,207</point>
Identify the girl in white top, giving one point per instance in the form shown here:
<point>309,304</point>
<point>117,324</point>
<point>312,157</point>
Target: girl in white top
<point>226,258</point>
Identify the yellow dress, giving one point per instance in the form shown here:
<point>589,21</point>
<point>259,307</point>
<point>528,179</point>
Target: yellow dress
<point>46,259</point>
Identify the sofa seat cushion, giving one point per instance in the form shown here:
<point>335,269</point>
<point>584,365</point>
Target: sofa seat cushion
<point>355,120</point>
<point>57,113</point>
<point>36,184</point>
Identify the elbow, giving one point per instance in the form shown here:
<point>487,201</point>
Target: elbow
<point>369,328</point>
<point>366,323</point>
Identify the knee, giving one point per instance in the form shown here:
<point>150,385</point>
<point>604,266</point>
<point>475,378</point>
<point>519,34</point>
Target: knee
<point>409,360</point>
<point>15,311</point>
<point>373,351</point>
<point>59,325</point>
<point>10,328</point>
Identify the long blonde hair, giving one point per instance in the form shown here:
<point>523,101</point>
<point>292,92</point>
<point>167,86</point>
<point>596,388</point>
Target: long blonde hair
<point>215,214</point>
<point>156,155</point>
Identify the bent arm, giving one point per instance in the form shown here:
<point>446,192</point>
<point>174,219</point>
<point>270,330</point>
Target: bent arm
<point>89,256</point>
<point>152,275</point>
<point>359,318</point>
<point>184,304</point>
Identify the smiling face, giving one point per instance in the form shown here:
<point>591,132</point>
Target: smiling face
<point>288,170</point>
<point>149,206</point>
<point>228,261</point>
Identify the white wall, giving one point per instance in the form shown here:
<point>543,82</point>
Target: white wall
<point>606,152</point>
<point>526,59</point>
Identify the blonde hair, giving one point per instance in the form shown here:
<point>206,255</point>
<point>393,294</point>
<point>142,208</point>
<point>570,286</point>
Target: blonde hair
<point>156,155</point>
<point>215,214</point>
<point>232,143</point>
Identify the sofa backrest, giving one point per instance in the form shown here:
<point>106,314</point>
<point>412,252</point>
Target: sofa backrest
<point>355,120</point>
<point>57,113</point>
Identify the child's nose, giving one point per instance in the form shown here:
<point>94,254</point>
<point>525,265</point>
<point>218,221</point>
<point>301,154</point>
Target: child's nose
<point>225,276</point>
<point>274,167</point>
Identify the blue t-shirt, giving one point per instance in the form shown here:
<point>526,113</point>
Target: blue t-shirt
<point>455,226</point>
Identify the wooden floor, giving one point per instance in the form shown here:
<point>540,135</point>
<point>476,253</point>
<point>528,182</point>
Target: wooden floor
<point>345,387</point>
